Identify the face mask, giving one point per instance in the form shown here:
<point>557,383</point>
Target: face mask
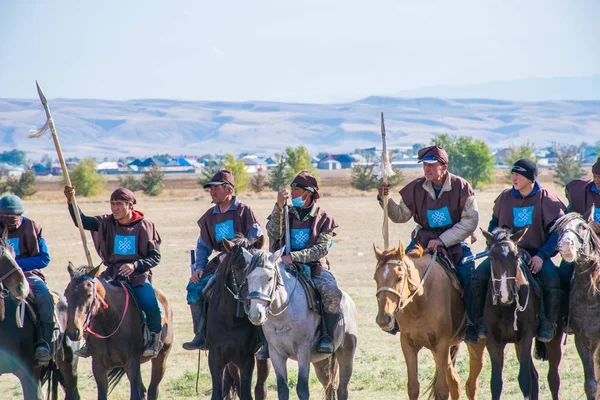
<point>298,201</point>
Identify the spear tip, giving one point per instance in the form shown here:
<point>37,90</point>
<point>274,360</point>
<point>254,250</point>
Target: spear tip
<point>41,94</point>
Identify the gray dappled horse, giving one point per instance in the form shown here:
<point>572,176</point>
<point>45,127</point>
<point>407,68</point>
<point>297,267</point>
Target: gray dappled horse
<point>278,303</point>
<point>580,245</point>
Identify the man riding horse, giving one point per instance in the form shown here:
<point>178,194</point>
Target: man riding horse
<point>25,236</point>
<point>527,205</point>
<point>129,246</point>
<point>444,207</point>
<point>583,194</point>
<point>311,235</point>
<point>228,218</point>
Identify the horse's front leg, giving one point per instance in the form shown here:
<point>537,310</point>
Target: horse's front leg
<point>217,368</point>
<point>134,373</point>
<point>412,367</point>
<point>476,359</point>
<point>280,366</point>
<point>246,370</point>
<point>101,377</point>
<point>496,351</point>
<point>441,356</point>
<point>29,384</point>
<point>587,359</point>
<point>528,377</point>
<point>67,365</point>
<point>303,372</point>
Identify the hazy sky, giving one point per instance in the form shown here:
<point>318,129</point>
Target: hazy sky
<point>313,51</point>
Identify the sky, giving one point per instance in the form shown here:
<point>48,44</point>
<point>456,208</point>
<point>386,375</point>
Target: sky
<point>317,51</point>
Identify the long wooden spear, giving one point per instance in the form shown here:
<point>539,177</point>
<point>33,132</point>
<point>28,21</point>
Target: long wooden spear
<point>39,133</point>
<point>386,171</point>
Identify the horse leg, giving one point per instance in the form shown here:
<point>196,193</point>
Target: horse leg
<point>554,355</point>
<point>67,365</point>
<point>30,386</point>
<point>496,351</point>
<point>527,374</point>
<point>345,358</point>
<point>246,371</point>
<point>476,359</point>
<point>587,359</point>
<point>452,378</point>
<point>412,367</point>
<point>280,366</point>
<point>134,373</point>
<point>303,372</point>
<point>441,356</point>
<point>323,372</point>
<point>216,367</point>
<point>101,377</point>
<point>159,367</point>
<point>262,373</point>
<point>597,370</point>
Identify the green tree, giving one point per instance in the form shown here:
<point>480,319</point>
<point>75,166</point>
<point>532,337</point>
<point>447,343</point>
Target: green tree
<point>14,157</point>
<point>128,181</point>
<point>298,160</point>
<point>86,179</point>
<point>259,182</point>
<point>568,164</point>
<point>277,176</point>
<point>515,153</point>
<point>151,182</point>
<point>211,168</point>
<point>468,158</point>
<point>238,169</point>
<point>364,176</point>
<point>24,186</point>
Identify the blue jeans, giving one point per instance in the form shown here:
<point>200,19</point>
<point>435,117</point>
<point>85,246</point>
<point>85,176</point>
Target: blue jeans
<point>565,273</point>
<point>194,290</point>
<point>43,298</point>
<point>146,298</point>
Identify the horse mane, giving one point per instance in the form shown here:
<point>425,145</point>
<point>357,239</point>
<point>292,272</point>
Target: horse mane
<point>417,252</point>
<point>233,260</point>
<point>82,271</point>
<point>387,256</point>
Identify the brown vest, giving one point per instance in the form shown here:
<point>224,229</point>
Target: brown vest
<point>582,198</point>
<point>535,212</point>
<point>24,241</point>
<point>437,215</point>
<point>118,244</point>
<point>216,227</point>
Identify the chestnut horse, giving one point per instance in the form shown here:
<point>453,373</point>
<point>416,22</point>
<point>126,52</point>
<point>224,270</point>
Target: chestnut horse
<point>415,291</point>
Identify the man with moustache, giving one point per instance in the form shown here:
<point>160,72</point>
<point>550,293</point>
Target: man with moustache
<point>224,220</point>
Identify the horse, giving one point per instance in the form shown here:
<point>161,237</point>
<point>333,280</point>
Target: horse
<point>277,301</point>
<point>232,341</point>
<point>511,314</point>
<point>115,336</point>
<point>415,292</point>
<point>579,244</point>
<point>18,337</point>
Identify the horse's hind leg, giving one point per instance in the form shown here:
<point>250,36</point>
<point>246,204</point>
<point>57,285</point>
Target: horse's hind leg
<point>452,378</point>
<point>476,358</point>
<point>345,358</point>
<point>440,386</point>
<point>159,367</point>
<point>587,359</point>
<point>262,373</point>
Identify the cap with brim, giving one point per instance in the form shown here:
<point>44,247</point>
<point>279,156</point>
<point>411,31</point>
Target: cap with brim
<point>220,178</point>
<point>429,160</point>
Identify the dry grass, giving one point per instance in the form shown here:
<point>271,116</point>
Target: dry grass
<point>380,372</point>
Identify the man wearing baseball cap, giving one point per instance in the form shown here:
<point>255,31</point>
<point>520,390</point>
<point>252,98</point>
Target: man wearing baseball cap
<point>224,220</point>
<point>443,206</point>
<point>527,205</point>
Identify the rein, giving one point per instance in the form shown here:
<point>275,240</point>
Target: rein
<point>401,306</point>
<point>91,313</point>
<point>256,295</point>
<point>9,273</point>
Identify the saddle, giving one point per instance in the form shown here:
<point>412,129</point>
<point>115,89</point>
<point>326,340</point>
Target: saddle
<point>302,273</point>
<point>30,308</point>
<point>449,268</point>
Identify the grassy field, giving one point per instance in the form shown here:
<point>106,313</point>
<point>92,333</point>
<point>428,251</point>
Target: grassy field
<point>380,372</point>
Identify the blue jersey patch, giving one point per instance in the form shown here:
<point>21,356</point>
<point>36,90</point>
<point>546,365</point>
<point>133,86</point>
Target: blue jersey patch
<point>14,242</point>
<point>125,245</point>
<point>224,230</point>
<point>597,215</point>
<point>438,218</point>
<point>522,216</point>
<point>299,238</point>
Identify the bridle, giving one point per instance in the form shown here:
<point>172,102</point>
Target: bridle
<point>583,241</point>
<point>98,301</point>
<point>268,298</point>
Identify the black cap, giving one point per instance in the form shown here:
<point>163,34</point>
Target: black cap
<point>527,168</point>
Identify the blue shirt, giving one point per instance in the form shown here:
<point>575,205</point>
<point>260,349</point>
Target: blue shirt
<point>40,261</point>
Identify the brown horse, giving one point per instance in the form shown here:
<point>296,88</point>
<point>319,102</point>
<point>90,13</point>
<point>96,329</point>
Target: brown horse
<point>117,340</point>
<point>579,244</point>
<point>414,291</point>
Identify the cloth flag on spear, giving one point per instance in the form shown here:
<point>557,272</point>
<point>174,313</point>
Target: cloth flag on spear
<point>384,171</point>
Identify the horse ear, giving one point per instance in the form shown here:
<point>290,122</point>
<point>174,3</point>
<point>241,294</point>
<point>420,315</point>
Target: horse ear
<point>259,242</point>
<point>71,269</point>
<point>95,272</point>
<point>276,255</point>
<point>247,255</point>
<point>378,252</point>
<point>400,250</point>
<point>487,235</point>
<point>228,245</point>
<point>515,237</point>
<point>589,215</point>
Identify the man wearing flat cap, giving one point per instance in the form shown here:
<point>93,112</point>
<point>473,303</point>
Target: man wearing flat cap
<point>584,198</point>
<point>527,205</point>
<point>129,246</point>
<point>444,207</point>
<point>311,235</point>
<point>226,219</point>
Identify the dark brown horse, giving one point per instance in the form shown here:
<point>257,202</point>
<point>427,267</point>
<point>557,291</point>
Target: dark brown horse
<point>18,337</point>
<point>579,244</point>
<point>232,340</point>
<point>117,340</point>
<point>511,314</point>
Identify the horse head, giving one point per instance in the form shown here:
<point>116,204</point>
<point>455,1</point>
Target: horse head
<point>12,279</point>
<point>576,235</point>
<point>507,276</point>
<point>82,299</point>
<point>263,278</point>
<point>392,275</point>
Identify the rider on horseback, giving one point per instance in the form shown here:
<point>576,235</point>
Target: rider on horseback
<point>25,236</point>
<point>129,245</point>
<point>226,219</point>
<point>444,207</point>
<point>526,204</point>
<point>311,231</point>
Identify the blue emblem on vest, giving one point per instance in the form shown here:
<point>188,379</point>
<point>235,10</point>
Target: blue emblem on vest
<point>522,216</point>
<point>14,242</point>
<point>438,218</point>
<point>224,230</point>
<point>299,238</point>
<point>597,215</point>
<point>125,245</point>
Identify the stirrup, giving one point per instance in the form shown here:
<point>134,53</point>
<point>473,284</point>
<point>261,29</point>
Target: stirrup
<point>42,353</point>
<point>325,345</point>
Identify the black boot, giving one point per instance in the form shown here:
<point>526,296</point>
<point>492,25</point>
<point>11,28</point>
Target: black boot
<point>42,349</point>
<point>263,354</point>
<point>198,310</point>
<point>552,305</point>
<point>479,293</point>
<point>328,325</point>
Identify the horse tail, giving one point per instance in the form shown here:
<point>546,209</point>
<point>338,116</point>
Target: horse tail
<point>454,354</point>
<point>333,381</point>
<point>429,391</point>
<point>114,376</point>
<point>540,351</point>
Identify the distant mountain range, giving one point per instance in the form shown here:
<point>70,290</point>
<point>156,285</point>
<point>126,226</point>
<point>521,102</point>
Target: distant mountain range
<point>103,128</point>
